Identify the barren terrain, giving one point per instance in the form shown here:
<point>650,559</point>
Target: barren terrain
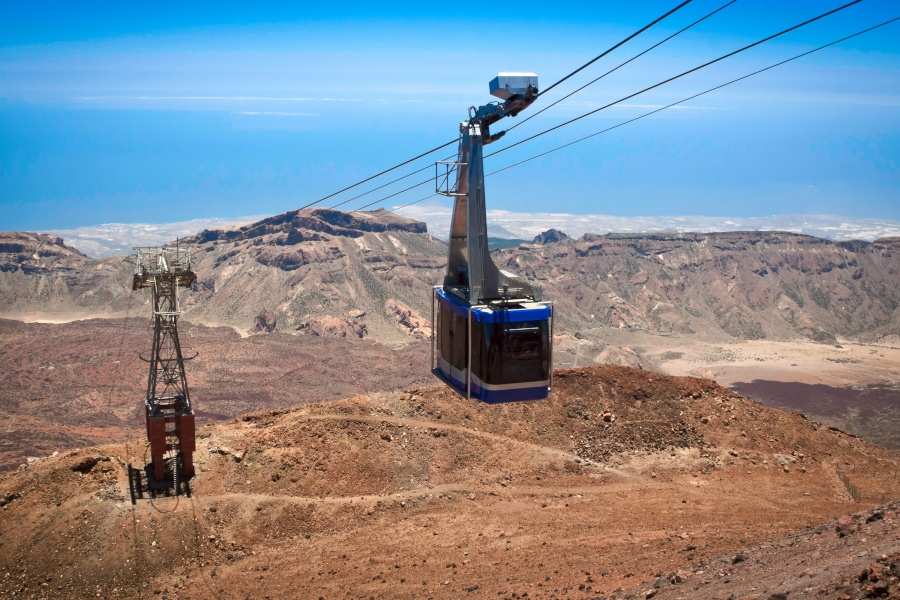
<point>83,383</point>
<point>621,477</point>
<point>851,385</point>
<point>370,274</point>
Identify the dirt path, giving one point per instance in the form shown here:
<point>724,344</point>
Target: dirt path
<point>402,421</point>
<point>421,492</point>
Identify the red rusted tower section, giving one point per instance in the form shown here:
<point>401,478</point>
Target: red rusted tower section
<point>170,417</point>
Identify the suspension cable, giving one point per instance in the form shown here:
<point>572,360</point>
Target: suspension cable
<point>425,168</point>
<point>793,58</point>
<point>682,101</point>
<point>630,37</point>
<point>635,57</point>
<point>358,183</point>
<point>670,79</point>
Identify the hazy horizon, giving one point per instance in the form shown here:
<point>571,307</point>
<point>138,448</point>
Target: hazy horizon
<point>110,239</point>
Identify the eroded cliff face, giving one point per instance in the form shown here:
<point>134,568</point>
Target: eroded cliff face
<point>747,285</point>
<point>321,272</point>
<point>39,273</point>
<point>299,270</point>
<point>33,252</point>
<point>305,266</point>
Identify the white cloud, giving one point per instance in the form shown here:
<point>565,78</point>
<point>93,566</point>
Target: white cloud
<point>528,225</point>
<point>118,238</point>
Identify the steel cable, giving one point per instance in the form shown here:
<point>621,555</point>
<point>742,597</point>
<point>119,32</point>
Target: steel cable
<point>358,183</point>
<point>425,168</point>
<point>629,38</point>
<point>633,58</point>
<point>858,33</point>
<point>595,59</point>
<point>682,101</point>
<point>679,76</point>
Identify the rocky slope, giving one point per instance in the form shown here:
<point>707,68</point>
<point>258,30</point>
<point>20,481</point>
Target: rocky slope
<point>851,558</point>
<point>621,476</point>
<point>362,275</point>
<point>321,272</point>
<point>39,274</point>
<point>743,285</point>
<point>83,383</point>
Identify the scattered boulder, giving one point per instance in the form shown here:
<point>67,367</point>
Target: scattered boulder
<point>876,516</point>
<point>846,525</point>
<point>7,498</point>
<point>234,454</point>
<point>329,326</point>
<point>785,459</point>
<point>414,324</point>
<point>87,464</point>
<point>265,322</point>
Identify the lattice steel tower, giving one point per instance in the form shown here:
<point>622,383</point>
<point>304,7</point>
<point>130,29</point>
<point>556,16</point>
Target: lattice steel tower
<point>170,418</point>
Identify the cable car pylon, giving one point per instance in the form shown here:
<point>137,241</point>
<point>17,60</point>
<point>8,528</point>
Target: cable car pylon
<point>168,410</point>
<point>492,338</point>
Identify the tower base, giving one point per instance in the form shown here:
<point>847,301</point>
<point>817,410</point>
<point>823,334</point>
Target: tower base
<point>171,429</point>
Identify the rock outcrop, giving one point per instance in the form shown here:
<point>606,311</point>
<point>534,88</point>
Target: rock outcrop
<point>744,285</point>
<point>551,236</point>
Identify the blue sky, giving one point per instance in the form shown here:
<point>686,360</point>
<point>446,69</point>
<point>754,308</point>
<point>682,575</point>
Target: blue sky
<point>169,112</point>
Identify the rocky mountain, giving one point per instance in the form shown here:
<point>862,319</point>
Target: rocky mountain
<point>40,275</point>
<point>744,285</point>
<point>551,236</point>
<point>321,272</point>
<point>326,467</point>
<point>620,477</point>
<point>359,275</point>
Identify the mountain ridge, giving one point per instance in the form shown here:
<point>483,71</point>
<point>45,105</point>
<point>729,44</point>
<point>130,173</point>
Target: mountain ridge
<point>325,264</point>
<point>110,239</point>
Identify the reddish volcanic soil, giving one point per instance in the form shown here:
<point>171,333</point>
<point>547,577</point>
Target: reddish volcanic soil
<point>83,383</point>
<point>622,478</point>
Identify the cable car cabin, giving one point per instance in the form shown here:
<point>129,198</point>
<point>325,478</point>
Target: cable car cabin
<point>492,336</point>
<point>500,352</point>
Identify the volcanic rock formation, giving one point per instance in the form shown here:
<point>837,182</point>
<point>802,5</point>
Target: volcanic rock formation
<point>321,263</point>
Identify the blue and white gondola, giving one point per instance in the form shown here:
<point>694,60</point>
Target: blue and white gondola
<point>492,335</point>
<point>496,353</point>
